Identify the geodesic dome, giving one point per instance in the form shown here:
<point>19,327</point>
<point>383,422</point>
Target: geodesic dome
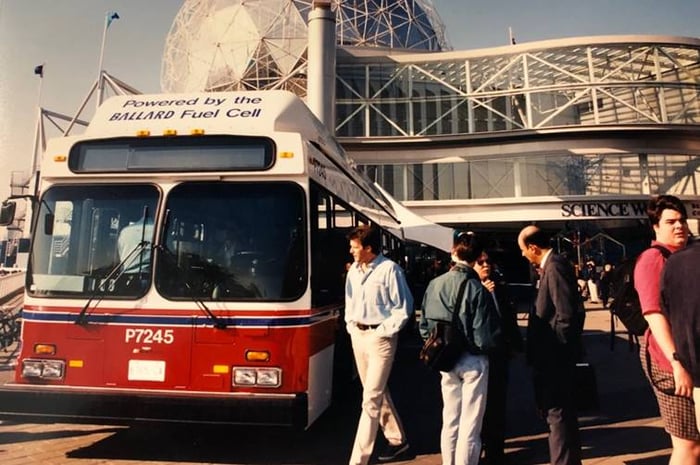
<point>217,45</point>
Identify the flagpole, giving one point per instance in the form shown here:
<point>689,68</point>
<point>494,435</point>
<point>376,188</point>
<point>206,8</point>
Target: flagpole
<point>38,131</point>
<point>37,150</point>
<point>99,70</point>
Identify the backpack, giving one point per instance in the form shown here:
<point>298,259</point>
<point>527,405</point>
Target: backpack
<point>625,304</point>
<point>446,342</point>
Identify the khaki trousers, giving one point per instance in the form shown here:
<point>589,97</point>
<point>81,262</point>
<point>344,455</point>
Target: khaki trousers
<point>374,357</point>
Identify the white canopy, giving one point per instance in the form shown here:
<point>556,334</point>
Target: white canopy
<point>416,228</point>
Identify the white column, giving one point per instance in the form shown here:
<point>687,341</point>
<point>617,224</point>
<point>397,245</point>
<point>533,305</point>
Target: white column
<point>320,84</point>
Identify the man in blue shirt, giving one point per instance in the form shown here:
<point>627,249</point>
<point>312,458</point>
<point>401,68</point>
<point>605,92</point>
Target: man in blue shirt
<point>378,304</point>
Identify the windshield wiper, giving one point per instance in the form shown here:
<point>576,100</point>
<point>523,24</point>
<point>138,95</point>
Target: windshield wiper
<point>218,322</point>
<point>117,270</point>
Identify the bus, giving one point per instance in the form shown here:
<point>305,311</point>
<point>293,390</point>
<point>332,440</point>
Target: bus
<point>187,264</point>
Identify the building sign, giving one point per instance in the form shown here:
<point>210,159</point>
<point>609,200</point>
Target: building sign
<point>602,209</point>
<point>541,209</point>
<point>694,210</point>
<point>616,209</point>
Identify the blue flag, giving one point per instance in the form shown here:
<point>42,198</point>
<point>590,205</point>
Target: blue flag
<point>111,16</point>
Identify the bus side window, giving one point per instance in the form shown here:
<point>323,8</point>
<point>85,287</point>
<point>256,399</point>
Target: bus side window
<point>295,271</point>
<point>328,267</point>
<point>329,247</point>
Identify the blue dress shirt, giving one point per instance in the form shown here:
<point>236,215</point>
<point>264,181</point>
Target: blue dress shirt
<point>378,295</point>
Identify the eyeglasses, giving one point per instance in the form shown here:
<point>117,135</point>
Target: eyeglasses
<point>483,261</point>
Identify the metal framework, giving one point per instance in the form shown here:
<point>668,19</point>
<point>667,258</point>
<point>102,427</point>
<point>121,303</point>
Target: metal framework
<point>217,45</point>
<point>484,96</point>
<point>52,123</point>
<point>583,81</point>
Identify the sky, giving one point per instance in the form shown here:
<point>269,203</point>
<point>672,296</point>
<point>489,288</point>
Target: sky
<point>66,36</point>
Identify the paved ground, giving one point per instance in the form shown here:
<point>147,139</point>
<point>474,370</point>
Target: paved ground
<point>625,429</point>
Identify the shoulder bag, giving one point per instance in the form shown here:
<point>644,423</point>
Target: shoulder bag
<point>446,342</point>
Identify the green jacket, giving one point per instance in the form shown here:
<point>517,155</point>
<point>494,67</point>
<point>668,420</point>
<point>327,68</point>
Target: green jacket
<point>440,298</point>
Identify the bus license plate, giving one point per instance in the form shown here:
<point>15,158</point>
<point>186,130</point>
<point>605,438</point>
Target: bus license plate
<point>146,370</point>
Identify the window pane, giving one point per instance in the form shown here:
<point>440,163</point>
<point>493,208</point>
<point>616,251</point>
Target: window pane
<point>94,239</point>
<point>234,241</point>
<point>170,154</point>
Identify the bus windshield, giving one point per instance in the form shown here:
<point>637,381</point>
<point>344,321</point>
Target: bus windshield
<point>233,241</point>
<point>93,239</point>
<point>220,242</point>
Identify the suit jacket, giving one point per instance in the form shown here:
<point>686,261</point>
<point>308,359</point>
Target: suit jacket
<point>509,318</point>
<point>556,322</point>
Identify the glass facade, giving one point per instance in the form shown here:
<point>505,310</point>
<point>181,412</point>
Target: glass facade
<point>541,175</point>
<point>505,94</point>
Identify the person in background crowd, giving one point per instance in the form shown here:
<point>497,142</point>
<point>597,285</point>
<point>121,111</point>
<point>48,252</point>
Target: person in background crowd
<point>604,284</point>
<point>680,298</point>
<point>493,431</point>
<point>378,304</point>
<point>670,381</point>
<point>593,281</point>
<point>554,344</point>
<point>464,388</point>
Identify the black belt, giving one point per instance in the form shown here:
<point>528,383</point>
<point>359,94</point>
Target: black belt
<point>362,327</point>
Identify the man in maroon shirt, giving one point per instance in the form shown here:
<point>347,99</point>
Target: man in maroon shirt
<point>671,382</point>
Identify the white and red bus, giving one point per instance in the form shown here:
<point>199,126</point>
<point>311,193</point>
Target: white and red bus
<point>187,264</point>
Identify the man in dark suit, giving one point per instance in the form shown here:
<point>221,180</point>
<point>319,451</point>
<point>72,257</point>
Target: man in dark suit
<point>554,344</point>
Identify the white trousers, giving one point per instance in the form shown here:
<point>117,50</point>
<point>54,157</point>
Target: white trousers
<point>374,357</point>
<point>464,401</point>
<point>593,291</point>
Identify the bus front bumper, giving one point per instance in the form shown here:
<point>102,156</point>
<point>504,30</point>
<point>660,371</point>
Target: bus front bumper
<point>51,404</point>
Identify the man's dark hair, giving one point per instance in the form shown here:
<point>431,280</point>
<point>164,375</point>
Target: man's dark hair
<point>368,235</point>
<point>539,238</point>
<point>467,246</point>
<point>659,203</point>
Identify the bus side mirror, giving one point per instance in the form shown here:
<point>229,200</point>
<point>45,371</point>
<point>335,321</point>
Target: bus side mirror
<point>7,213</point>
<point>48,224</point>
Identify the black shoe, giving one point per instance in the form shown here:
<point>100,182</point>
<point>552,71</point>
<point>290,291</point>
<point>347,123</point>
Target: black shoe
<point>392,451</point>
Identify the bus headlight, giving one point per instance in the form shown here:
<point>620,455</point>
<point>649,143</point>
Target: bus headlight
<point>244,377</point>
<point>32,368</point>
<point>255,376</point>
<point>44,369</point>
<point>269,377</point>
